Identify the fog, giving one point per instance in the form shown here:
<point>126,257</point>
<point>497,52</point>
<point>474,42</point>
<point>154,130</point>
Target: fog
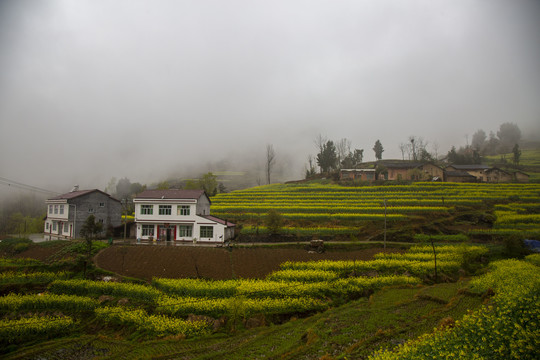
<point>92,89</point>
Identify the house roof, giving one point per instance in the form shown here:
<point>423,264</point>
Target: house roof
<point>402,165</point>
<point>218,220</point>
<point>497,169</point>
<point>171,194</point>
<point>75,194</point>
<point>359,170</point>
<point>470,167</point>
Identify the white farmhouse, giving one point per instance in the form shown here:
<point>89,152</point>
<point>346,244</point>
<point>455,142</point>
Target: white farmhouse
<point>178,215</point>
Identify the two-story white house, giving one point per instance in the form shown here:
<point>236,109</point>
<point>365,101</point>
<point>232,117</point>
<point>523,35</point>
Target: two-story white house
<point>67,213</point>
<point>178,215</point>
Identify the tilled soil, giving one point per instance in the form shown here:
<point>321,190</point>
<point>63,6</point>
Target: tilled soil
<point>147,261</point>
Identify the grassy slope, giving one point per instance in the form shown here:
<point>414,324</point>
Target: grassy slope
<point>529,162</point>
<point>353,330</point>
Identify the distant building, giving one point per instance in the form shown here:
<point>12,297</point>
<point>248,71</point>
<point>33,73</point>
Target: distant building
<point>478,171</point>
<point>357,174</point>
<point>415,171</point>
<point>485,173</point>
<point>458,176</point>
<point>179,215</point>
<point>67,213</point>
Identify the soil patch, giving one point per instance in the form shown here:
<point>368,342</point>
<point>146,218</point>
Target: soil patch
<point>146,261</point>
<point>42,253</point>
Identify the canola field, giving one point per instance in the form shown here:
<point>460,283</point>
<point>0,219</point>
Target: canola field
<point>317,209</point>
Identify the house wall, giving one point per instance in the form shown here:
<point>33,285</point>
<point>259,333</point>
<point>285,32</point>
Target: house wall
<point>433,171</point>
<point>398,174</point>
<point>105,209</point>
<point>174,221</point>
<point>521,177</point>
<point>76,211</point>
<point>203,206</point>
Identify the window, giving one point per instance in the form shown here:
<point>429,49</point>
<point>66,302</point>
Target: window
<point>165,209</point>
<point>61,209</point>
<point>101,204</point>
<point>54,226</point>
<point>183,210</point>
<point>186,230</point>
<point>47,226</point>
<point>147,209</point>
<point>148,230</point>
<point>90,210</point>
<point>50,209</point>
<point>56,209</point>
<point>207,231</point>
<point>66,227</point>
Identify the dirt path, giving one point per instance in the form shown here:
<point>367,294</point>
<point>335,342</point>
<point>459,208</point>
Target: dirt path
<point>146,261</point>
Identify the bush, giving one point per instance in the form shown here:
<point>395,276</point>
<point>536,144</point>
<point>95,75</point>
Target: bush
<point>514,247</point>
<point>274,222</point>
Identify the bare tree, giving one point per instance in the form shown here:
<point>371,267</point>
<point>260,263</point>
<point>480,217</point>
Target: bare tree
<point>435,147</point>
<point>403,149</point>
<point>320,141</point>
<point>270,161</point>
<point>343,149</point>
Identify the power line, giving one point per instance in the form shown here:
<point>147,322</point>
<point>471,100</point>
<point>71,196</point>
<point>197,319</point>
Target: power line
<point>19,185</point>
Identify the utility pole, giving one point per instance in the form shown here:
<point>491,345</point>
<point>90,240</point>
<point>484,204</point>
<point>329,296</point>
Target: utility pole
<point>384,223</point>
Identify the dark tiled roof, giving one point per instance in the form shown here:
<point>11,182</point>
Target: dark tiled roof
<point>218,220</point>
<point>170,194</point>
<point>403,165</point>
<point>74,194</point>
<point>470,167</point>
<point>459,174</point>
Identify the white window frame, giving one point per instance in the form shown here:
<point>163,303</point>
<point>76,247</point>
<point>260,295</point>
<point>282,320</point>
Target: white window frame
<point>61,209</point>
<point>185,230</point>
<point>204,232</point>
<point>147,209</point>
<point>147,230</point>
<point>165,210</point>
<point>56,209</point>
<point>183,210</point>
<point>101,204</point>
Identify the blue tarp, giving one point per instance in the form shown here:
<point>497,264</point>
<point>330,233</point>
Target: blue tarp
<point>534,245</point>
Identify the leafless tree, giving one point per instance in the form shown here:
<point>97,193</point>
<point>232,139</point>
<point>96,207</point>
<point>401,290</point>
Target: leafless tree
<point>403,149</point>
<point>343,149</point>
<point>270,161</point>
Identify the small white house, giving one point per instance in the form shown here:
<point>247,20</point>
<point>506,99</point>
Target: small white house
<point>178,215</point>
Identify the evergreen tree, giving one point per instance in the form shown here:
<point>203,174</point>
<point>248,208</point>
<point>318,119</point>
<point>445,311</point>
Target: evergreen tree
<point>378,148</point>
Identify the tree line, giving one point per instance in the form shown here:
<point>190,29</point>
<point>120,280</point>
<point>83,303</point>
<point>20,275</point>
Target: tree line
<point>332,156</point>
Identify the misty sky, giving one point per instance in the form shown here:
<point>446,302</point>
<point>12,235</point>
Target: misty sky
<point>101,88</point>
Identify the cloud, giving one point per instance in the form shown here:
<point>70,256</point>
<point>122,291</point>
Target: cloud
<point>95,89</point>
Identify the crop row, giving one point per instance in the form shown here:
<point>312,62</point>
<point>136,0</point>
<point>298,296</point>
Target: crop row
<point>317,217</point>
<point>97,288</point>
<point>324,208</point>
<point>40,302</point>
<point>241,306</point>
<point>28,328</point>
<point>157,325</point>
<point>303,231</point>
<point>508,329</point>
<point>37,277</point>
